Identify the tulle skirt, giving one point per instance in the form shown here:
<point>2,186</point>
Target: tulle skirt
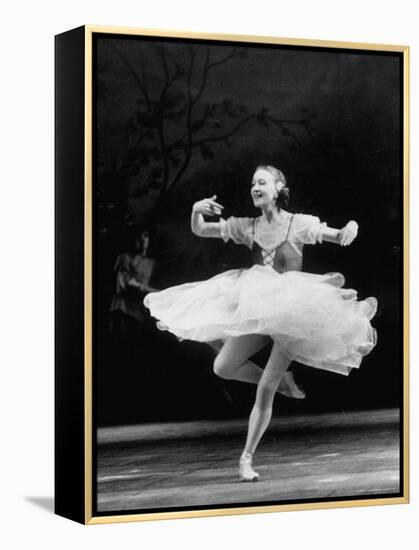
<point>312,317</point>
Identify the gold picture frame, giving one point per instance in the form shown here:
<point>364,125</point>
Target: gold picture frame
<point>76,440</point>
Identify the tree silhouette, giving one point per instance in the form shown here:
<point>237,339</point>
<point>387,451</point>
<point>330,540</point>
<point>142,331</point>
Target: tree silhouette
<point>174,119</point>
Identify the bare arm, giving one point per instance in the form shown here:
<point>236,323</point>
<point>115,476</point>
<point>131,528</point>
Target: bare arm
<point>343,236</point>
<point>142,286</point>
<point>206,207</point>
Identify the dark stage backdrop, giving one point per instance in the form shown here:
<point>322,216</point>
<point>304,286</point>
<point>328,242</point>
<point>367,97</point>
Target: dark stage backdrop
<point>177,122</point>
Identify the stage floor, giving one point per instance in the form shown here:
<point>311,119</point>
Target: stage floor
<point>187,464</point>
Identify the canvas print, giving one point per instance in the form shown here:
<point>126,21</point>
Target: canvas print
<point>247,269</point>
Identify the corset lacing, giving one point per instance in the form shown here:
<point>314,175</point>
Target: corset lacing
<point>268,255</point>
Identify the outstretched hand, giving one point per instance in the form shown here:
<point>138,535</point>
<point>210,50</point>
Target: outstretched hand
<point>348,233</point>
<point>208,207</point>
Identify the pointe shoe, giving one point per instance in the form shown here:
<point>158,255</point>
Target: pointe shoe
<point>289,388</point>
<point>246,471</point>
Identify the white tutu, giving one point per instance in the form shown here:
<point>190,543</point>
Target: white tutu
<point>313,319</point>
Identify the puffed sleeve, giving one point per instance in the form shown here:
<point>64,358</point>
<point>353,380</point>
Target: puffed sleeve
<point>239,230</point>
<point>308,229</point>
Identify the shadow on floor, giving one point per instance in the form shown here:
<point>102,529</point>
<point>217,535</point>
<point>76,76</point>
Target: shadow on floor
<point>46,503</point>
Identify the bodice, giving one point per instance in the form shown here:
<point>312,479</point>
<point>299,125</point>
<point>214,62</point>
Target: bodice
<point>282,258</point>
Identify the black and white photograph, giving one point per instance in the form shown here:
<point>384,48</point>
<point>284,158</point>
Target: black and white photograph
<point>210,249</point>
<point>247,274</point>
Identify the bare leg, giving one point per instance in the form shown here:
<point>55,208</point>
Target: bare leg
<point>232,363</point>
<point>262,409</point>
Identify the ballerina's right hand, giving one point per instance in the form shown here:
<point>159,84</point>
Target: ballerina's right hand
<point>208,207</point>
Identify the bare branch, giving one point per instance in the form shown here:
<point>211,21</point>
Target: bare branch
<point>225,136</point>
<point>139,141</point>
<point>163,60</point>
<point>165,148</point>
<point>233,53</point>
<point>188,136</point>
<point>161,134</point>
<point>169,79</point>
<point>181,140</point>
<point>164,151</point>
<point>134,74</point>
<point>205,72</point>
<point>144,78</point>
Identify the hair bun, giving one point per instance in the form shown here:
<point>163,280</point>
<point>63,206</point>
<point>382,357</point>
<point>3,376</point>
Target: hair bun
<point>283,198</point>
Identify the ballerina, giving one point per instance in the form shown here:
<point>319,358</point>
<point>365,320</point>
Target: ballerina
<point>310,318</point>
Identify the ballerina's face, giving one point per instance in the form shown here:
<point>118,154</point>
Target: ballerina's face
<point>264,188</point>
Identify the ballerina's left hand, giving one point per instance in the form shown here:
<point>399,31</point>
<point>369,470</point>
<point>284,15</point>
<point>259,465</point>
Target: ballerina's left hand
<point>348,233</point>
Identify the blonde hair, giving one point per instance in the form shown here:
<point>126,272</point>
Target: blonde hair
<point>283,197</point>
